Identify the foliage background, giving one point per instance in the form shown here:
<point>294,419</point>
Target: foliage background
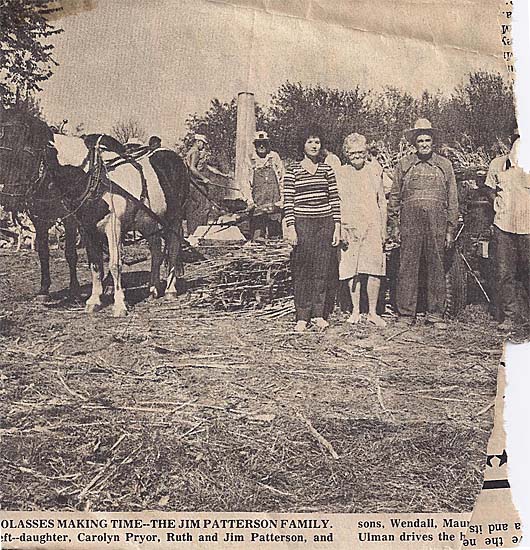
<point>478,115</point>
<point>25,51</point>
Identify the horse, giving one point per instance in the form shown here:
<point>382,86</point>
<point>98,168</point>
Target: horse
<point>28,187</point>
<point>110,192</point>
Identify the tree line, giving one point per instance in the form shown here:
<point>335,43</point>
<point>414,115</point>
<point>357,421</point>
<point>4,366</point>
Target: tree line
<point>26,56</point>
<point>479,114</point>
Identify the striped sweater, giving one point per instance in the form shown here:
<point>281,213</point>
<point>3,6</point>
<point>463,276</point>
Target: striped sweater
<point>308,195</point>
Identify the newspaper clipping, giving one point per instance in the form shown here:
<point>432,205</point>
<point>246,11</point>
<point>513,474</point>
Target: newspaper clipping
<point>258,261</point>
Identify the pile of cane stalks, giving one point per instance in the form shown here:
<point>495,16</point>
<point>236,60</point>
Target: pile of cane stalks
<point>255,276</point>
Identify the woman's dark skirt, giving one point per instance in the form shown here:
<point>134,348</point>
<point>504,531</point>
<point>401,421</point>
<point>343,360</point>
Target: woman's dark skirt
<point>311,261</point>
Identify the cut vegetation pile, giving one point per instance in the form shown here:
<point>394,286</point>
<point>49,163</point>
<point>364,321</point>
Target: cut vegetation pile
<point>247,277</point>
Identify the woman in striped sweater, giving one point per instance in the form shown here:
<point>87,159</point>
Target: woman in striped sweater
<point>312,220</point>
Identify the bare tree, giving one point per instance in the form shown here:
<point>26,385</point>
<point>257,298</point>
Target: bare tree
<point>125,130</point>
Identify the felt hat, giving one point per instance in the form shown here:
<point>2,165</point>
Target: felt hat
<point>421,126</point>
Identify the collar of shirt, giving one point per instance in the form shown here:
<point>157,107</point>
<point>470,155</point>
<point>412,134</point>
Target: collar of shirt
<point>510,161</point>
<point>435,160</point>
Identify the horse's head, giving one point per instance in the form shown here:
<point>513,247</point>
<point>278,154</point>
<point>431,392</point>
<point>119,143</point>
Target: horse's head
<point>24,143</point>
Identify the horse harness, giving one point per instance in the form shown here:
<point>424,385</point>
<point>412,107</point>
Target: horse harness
<point>98,180</point>
<point>99,170</point>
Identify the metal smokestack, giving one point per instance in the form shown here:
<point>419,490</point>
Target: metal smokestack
<point>245,130</point>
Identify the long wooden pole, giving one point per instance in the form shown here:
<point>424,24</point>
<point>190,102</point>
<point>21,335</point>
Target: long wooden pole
<point>245,130</point>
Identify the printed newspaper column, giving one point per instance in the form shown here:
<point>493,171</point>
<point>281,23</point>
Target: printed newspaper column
<point>505,21</point>
<point>495,522</point>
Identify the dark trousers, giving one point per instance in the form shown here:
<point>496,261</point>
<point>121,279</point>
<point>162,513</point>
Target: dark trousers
<point>265,226</point>
<point>512,253</point>
<point>310,265</point>
<point>423,231</point>
<point>332,288</point>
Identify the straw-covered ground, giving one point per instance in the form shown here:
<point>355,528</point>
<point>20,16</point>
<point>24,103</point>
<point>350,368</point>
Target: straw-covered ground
<point>178,407</point>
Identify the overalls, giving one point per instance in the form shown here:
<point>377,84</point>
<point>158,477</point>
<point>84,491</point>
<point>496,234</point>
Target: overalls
<point>265,194</point>
<point>423,229</point>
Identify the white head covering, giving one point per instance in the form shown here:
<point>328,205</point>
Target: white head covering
<point>261,136</point>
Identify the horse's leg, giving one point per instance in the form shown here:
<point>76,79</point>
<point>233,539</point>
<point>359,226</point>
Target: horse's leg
<point>94,252</point>
<point>155,246</point>
<point>43,250</point>
<point>113,232</point>
<point>176,269</point>
<point>70,253</point>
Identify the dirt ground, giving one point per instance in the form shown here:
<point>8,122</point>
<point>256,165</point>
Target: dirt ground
<point>181,408</point>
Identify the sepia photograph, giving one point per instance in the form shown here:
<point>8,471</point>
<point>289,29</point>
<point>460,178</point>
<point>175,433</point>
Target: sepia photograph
<point>256,256</point>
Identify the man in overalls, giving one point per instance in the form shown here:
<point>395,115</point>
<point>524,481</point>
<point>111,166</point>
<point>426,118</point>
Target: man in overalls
<point>423,212</point>
<point>266,180</point>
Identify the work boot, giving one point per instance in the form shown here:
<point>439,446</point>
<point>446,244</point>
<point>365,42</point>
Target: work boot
<point>436,320</point>
<point>405,321</point>
<point>301,326</point>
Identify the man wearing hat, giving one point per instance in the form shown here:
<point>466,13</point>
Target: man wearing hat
<point>423,213</point>
<point>198,206</point>
<point>266,184</point>
<point>510,188</point>
<point>196,158</point>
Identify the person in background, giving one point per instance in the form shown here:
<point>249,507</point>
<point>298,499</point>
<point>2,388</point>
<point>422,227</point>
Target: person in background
<point>331,159</point>
<point>266,183</point>
<point>423,212</point>
<point>196,159</point>
<point>363,234</point>
<point>510,188</point>
<point>198,205</point>
<point>154,143</point>
<point>312,227</point>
